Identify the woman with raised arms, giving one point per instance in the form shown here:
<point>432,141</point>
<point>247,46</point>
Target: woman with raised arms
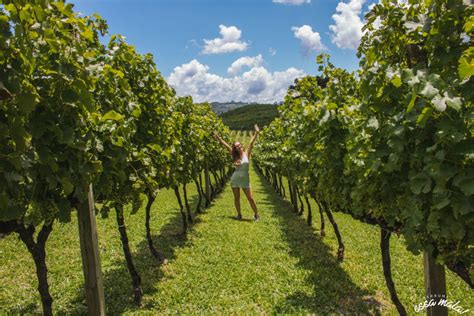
<point>240,178</point>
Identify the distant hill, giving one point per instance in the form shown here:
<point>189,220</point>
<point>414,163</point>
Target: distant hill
<point>221,107</point>
<point>245,117</point>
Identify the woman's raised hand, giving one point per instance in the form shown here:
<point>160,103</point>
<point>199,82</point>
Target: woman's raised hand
<point>257,129</point>
<point>215,135</point>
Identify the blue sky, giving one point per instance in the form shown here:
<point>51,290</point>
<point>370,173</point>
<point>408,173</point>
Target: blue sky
<point>195,42</point>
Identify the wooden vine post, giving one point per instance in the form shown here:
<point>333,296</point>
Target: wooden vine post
<point>435,285</point>
<point>93,283</point>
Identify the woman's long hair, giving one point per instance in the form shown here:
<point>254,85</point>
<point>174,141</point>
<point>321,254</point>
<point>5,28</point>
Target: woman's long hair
<point>235,152</point>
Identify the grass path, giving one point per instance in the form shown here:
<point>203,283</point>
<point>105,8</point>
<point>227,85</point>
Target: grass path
<point>275,265</point>
<point>280,265</point>
<point>224,266</point>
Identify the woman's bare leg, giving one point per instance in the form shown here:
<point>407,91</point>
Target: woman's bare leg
<point>248,193</point>
<point>236,192</point>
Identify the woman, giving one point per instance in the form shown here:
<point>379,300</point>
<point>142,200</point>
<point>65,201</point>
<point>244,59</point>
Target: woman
<point>240,177</point>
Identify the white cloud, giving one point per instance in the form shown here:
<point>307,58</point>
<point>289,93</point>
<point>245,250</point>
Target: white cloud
<point>294,2</point>
<point>256,85</point>
<point>227,43</point>
<point>347,31</point>
<point>310,41</point>
<point>272,51</point>
<point>245,61</point>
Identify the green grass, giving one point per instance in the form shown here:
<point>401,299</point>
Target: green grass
<point>245,117</point>
<point>363,263</point>
<point>276,265</point>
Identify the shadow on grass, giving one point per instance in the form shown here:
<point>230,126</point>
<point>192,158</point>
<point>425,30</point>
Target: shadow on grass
<point>117,283</point>
<point>238,220</point>
<point>333,290</point>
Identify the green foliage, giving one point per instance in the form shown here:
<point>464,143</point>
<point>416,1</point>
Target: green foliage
<point>395,146</point>
<point>245,117</point>
<point>74,112</point>
<point>46,110</point>
<point>425,148</point>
